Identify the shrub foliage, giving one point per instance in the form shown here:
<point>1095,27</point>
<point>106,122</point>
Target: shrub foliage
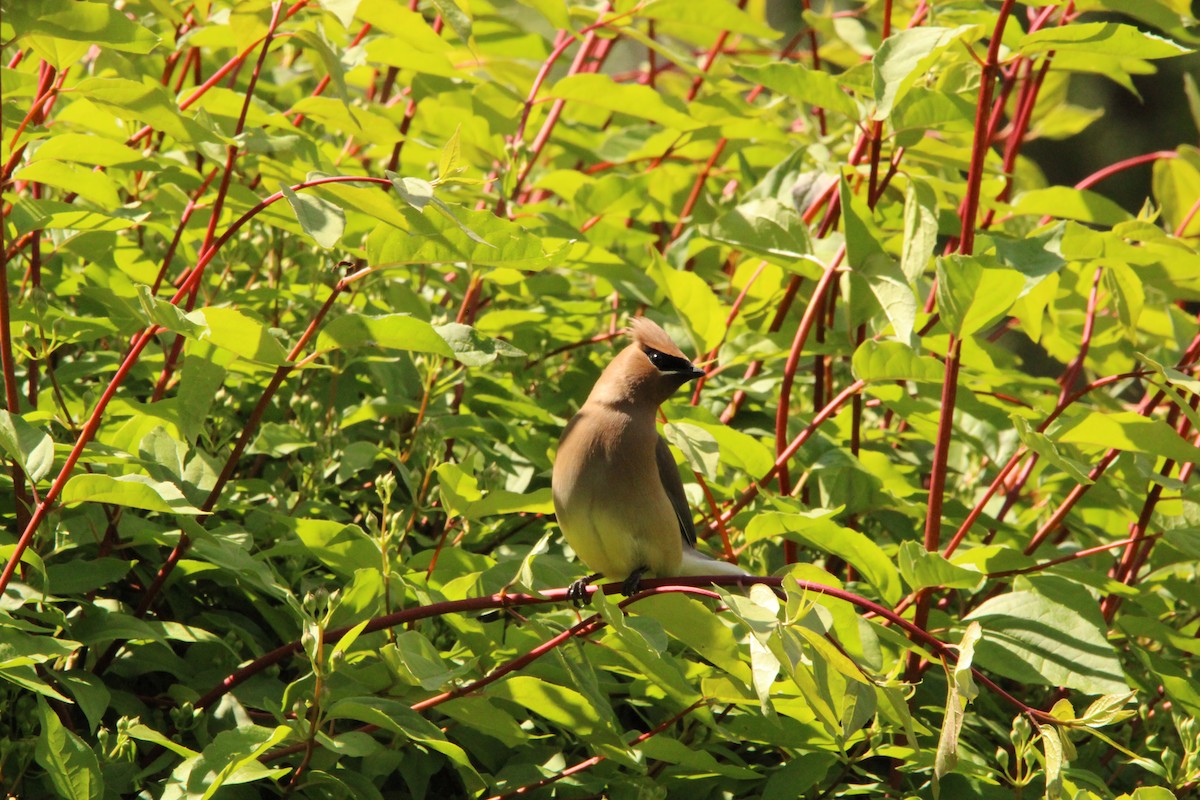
<point>299,296</point>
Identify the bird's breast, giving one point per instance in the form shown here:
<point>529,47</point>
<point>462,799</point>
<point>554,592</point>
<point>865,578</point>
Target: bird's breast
<point>610,502</point>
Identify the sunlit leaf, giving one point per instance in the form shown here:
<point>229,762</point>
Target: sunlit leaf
<point>319,218</point>
<point>233,330</point>
<point>1099,37</point>
<point>904,57</point>
<point>894,361</point>
<point>807,85</point>
<point>816,529</point>
<point>71,765</point>
<point>133,491</point>
<point>1048,633</point>
<point>634,99</point>
<point>393,331</point>
<point>30,447</point>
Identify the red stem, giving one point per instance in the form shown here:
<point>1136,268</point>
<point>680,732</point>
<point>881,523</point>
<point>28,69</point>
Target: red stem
<point>1145,408</point>
<point>1071,375</point>
<point>1016,457</point>
<point>811,312</point>
<point>137,345</point>
<point>831,408</point>
<point>588,763</point>
<point>979,145</point>
<point>650,588</point>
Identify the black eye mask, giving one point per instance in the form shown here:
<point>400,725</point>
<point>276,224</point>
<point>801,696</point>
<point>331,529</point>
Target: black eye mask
<point>667,363</point>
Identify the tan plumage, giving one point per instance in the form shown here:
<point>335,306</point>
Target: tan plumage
<point>617,493</point>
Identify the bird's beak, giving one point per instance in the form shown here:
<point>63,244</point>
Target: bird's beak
<point>697,371</point>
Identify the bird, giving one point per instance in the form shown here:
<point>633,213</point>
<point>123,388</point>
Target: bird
<point>617,493</point>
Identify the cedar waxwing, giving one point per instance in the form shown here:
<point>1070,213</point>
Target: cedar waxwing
<point>617,491</point>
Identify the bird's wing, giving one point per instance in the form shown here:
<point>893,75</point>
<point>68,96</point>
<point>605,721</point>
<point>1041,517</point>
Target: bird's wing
<point>668,473</point>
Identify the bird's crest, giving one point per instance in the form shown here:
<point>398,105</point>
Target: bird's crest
<point>648,334</point>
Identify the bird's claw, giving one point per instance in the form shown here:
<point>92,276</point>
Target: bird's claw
<point>577,591</point>
<point>630,585</point>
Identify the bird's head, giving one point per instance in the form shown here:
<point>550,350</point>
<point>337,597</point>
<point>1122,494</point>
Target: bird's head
<point>649,370</point>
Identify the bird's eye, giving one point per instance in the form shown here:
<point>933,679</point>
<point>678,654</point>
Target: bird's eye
<point>666,363</point>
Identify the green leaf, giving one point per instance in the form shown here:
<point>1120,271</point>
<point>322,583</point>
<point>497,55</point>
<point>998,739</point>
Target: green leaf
<point>1047,449</point>
<point>32,448</point>
<point>479,238</point>
<point>89,693</point>
<point>1127,430</point>
<point>1176,187</point>
<point>817,529</point>
<point>798,775</point>
<point>199,381</point>
<point>693,300</point>
<point>458,488</point>
<point>559,704</point>
<point>70,764</point>
<point>458,18</point>
<point>146,101</point>
<point>228,551</point>
<point>315,41</point>
<point>91,150</point>
<point>96,187</point>
<point>230,759</point>
<point>21,648</point>
<point>1127,295</point>
<point>972,296</point>
<point>131,491</point>
<point>355,120</point>
<point>395,331</point>
<point>320,219</point>
<point>893,291</point>
<point>423,661</point>
<point>738,450</point>
<point>1063,202</point>
<point>694,624</point>
<point>904,57</point>
<point>766,227</point>
<point>801,83</point>
<point>922,569</point>
<point>80,576</point>
<point>141,732</point>
<point>156,311</point>
<point>410,43</point>
<point>97,24</point>
<point>708,16</point>
<point>871,262</point>
<point>487,717</point>
<point>394,716</point>
<point>1049,632</point>
<point>1055,753</point>
<point>699,447</point>
<point>473,349</point>
<point>1105,38</point>
<point>920,228</point>
<point>341,547</point>
<point>232,330</point>
<point>417,192</point>
<point>637,100</point>
<point>450,161</point>
<point>499,501</point>
<point>960,690</point>
<point>877,361</point>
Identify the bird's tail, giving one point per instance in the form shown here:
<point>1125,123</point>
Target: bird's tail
<point>696,563</point>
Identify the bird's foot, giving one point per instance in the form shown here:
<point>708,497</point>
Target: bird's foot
<point>630,586</point>
<point>577,591</point>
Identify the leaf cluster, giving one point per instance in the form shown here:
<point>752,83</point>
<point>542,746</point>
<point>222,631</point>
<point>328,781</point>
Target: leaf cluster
<point>299,296</point>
